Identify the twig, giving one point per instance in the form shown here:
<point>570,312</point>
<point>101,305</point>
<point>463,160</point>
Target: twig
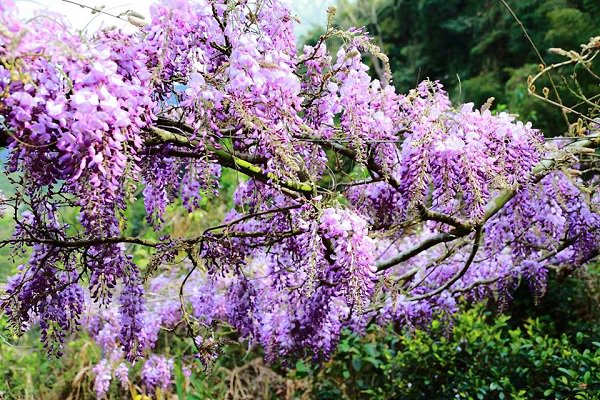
<point>458,275</point>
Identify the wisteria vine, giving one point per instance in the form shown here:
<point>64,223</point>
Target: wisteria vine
<point>360,205</point>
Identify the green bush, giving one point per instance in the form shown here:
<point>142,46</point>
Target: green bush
<point>481,357</point>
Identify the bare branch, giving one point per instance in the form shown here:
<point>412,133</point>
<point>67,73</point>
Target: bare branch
<point>413,251</point>
<point>458,275</point>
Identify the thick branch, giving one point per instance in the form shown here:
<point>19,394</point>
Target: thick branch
<point>83,243</point>
<point>431,215</point>
<point>231,161</point>
<point>542,169</point>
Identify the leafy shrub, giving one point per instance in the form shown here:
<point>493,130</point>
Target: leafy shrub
<point>480,358</point>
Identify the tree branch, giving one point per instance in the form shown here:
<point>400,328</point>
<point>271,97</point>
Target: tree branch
<point>431,215</point>
<point>57,243</point>
<point>458,275</point>
<point>424,245</point>
<point>543,168</point>
<point>163,136</point>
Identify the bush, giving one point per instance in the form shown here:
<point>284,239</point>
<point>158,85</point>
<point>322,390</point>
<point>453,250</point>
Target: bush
<point>480,358</point>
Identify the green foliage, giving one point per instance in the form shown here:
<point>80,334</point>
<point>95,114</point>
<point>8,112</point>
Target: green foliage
<point>27,373</point>
<point>6,253</point>
<point>6,224</point>
<point>570,306</point>
<point>480,88</point>
<point>561,24</point>
<point>481,358</point>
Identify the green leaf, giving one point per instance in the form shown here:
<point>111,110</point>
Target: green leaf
<point>373,361</point>
<point>179,379</point>
<point>356,363</point>
<point>565,371</point>
<point>301,368</point>
<point>343,347</point>
<point>586,376</point>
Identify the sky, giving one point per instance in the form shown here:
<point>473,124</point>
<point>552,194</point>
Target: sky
<point>311,12</point>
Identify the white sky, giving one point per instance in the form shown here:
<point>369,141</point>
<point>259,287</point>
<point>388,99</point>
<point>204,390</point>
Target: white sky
<point>311,12</point>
